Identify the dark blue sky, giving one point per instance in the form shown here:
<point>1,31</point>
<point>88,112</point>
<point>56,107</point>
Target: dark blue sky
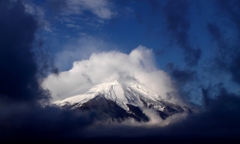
<point>175,32</point>
<point>183,34</point>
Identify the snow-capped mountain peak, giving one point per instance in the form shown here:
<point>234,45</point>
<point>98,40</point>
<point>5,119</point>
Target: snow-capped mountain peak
<point>116,91</point>
<point>128,96</point>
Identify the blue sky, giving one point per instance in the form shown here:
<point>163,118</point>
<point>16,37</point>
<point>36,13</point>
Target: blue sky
<point>128,25</point>
<point>181,34</point>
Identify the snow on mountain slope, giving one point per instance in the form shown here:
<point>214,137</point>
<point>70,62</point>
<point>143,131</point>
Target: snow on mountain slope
<point>117,92</point>
<point>118,99</point>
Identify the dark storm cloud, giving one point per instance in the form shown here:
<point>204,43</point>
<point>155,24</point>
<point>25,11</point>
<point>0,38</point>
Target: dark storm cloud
<point>182,76</point>
<point>224,48</point>
<point>23,61</point>
<point>18,68</point>
<point>214,30</point>
<point>231,11</point>
<point>228,53</point>
<point>234,68</point>
<point>24,122</point>
<point>178,24</point>
<point>22,66</point>
<point>218,116</point>
<point>219,119</point>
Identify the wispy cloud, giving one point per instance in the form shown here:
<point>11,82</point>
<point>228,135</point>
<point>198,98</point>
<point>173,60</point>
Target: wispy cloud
<point>88,14</point>
<point>100,8</point>
<point>40,14</point>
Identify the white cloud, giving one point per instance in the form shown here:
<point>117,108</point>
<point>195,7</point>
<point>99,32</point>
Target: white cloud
<point>109,66</point>
<point>154,120</point>
<point>100,8</point>
<point>80,49</point>
<point>73,26</point>
<point>71,13</point>
<point>39,12</point>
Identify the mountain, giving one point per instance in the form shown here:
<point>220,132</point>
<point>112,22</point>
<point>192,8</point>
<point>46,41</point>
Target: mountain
<point>118,101</point>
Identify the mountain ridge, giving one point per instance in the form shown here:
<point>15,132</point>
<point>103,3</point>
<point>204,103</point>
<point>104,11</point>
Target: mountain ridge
<point>119,100</point>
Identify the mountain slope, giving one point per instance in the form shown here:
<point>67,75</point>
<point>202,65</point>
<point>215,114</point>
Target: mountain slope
<point>119,100</point>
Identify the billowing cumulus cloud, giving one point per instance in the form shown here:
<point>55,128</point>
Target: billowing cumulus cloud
<point>102,67</point>
<point>82,48</point>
